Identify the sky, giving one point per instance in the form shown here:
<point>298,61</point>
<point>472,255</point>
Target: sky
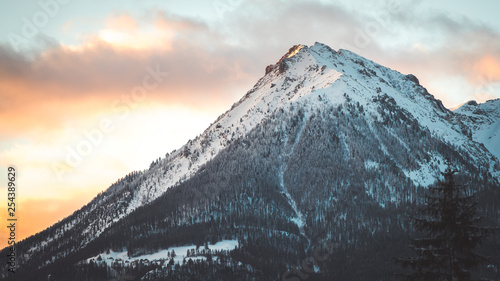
<point>93,90</point>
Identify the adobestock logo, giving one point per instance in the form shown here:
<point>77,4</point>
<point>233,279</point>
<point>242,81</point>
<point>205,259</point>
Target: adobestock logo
<point>382,20</point>
<point>484,89</point>
<point>31,27</point>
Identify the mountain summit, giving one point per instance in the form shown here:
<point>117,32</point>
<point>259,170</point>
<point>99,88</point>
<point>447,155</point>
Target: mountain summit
<point>328,152</point>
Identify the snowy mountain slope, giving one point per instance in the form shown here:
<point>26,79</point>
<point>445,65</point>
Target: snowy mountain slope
<point>363,81</point>
<point>139,189</point>
<point>142,188</point>
<point>483,120</point>
<point>380,106</point>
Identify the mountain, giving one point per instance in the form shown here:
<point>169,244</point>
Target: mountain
<point>313,172</point>
<point>484,123</point>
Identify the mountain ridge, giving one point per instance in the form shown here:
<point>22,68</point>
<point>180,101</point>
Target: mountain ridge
<point>369,103</point>
<point>483,119</point>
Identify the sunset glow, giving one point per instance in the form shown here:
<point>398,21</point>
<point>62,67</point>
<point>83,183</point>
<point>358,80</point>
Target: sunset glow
<point>489,67</point>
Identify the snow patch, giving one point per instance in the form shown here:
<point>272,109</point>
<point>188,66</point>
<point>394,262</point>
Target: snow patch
<point>180,253</point>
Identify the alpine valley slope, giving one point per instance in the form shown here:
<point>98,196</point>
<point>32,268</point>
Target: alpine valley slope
<point>328,148</point>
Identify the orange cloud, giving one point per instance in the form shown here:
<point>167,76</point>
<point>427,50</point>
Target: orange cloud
<point>124,32</point>
<point>488,67</point>
<point>63,83</point>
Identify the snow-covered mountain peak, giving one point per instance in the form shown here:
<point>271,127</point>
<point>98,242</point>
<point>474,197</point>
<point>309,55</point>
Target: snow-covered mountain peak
<point>315,78</point>
<point>483,121</point>
<point>318,74</point>
<point>292,52</point>
<point>469,104</point>
<point>320,70</point>
<point>472,108</point>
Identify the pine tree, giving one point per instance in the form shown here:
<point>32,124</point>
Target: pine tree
<point>452,230</point>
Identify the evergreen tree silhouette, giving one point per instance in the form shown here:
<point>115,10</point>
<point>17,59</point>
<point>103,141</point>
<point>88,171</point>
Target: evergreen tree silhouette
<point>451,231</point>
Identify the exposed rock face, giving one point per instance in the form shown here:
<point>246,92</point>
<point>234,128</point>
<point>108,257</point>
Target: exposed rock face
<point>413,78</point>
<point>269,68</point>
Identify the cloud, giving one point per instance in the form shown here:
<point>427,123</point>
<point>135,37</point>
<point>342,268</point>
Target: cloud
<point>488,67</point>
<point>158,32</point>
<point>66,81</point>
<point>218,61</point>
